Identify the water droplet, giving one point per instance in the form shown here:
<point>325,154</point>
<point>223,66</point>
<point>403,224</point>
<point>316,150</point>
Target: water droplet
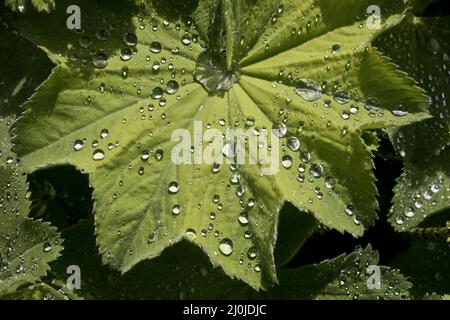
<point>173,187</point>
<point>409,212</point>
<point>47,247</point>
<point>100,60</point>
<point>130,39</point>
<point>243,218</point>
<point>78,145</point>
<point>104,133</point>
<point>399,113</point>
<point>176,209</point>
<point>349,209</point>
<point>293,143</point>
<point>186,40</point>
<point>226,247</point>
<point>279,130</point>
<point>316,170</point>
<point>252,253</point>
<point>155,47</point>
<point>330,182</point>
<point>159,155</point>
<point>286,161</point>
<point>126,54</point>
<point>191,234</point>
<point>308,89</point>
<point>157,93</point>
<point>98,155</point>
<point>151,237</point>
<point>342,97</point>
<point>172,87</point>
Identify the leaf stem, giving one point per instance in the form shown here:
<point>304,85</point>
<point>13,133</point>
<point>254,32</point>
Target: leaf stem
<point>228,13</point>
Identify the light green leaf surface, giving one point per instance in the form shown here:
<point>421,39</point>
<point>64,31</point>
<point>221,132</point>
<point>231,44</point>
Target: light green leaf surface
<point>115,122</point>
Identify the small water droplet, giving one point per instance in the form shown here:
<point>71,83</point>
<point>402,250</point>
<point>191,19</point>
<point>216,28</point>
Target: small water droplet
<point>47,247</point>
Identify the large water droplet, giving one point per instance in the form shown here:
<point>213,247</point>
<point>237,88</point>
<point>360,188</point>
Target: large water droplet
<point>226,247</point>
<point>316,170</point>
<point>308,89</point>
<point>98,155</point>
<point>130,39</point>
<point>172,87</point>
<point>100,60</point>
<point>293,143</point>
<point>155,47</point>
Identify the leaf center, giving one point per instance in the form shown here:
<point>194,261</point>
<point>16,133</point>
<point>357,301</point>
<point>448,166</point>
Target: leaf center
<point>214,75</point>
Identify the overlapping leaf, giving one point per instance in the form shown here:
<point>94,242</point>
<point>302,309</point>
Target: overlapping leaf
<point>347,277</point>
<point>126,82</point>
<point>420,47</point>
<point>26,245</point>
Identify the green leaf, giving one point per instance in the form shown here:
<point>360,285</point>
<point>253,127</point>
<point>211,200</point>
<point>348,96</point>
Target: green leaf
<point>110,108</point>
<point>420,47</point>
<point>22,5</point>
<point>343,278</point>
<point>426,264</point>
<point>421,191</point>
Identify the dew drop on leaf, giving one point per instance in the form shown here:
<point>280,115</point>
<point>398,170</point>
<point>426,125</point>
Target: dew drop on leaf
<point>126,54</point>
<point>100,60</point>
<point>286,161</point>
<point>98,155</point>
<point>173,187</point>
<point>172,87</point>
<point>47,247</point>
<point>279,130</point>
<point>252,253</point>
<point>226,247</point>
<point>130,39</point>
<point>293,143</point>
<point>308,89</point>
<point>155,47</point>
<point>78,145</point>
<point>316,170</point>
<point>243,218</point>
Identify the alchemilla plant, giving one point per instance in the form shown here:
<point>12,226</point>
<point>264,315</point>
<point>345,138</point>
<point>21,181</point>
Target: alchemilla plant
<point>181,143</point>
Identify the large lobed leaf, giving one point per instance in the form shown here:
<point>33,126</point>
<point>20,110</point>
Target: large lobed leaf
<point>104,111</point>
